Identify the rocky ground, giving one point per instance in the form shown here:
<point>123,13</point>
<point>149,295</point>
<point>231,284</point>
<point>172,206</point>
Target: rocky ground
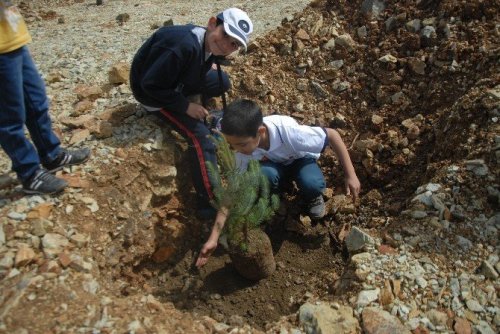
<point>412,86</point>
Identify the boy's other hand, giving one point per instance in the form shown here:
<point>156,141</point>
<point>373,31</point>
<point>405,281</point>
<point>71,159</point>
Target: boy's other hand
<point>196,111</point>
<point>353,187</point>
<point>207,250</point>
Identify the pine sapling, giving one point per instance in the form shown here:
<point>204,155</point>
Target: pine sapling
<point>245,194</point>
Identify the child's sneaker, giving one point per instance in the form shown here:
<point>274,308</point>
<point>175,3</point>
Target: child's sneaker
<point>316,208</point>
<point>43,182</point>
<point>68,158</point>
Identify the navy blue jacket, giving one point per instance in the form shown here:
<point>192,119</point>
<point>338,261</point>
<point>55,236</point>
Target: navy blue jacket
<point>169,66</point>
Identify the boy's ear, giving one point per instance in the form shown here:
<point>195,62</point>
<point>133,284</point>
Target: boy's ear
<point>212,23</point>
<point>261,130</point>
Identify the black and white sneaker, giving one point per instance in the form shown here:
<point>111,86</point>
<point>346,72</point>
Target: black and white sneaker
<point>68,158</point>
<point>43,182</point>
<point>316,208</point>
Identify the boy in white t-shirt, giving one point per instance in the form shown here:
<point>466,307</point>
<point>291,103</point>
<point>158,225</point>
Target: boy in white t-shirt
<point>286,150</point>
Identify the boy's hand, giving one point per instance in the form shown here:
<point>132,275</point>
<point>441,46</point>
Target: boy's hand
<point>205,252</point>
<point>196,111</point>
<point>352,187</point>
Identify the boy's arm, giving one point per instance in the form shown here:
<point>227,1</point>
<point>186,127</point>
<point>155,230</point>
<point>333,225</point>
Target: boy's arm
<point>352,183</point>
<point>212,241</point>
<point>160,82</point>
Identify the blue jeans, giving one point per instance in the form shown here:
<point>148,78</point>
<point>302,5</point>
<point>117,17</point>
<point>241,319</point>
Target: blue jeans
<point>305,172</point>
<point>23,101</point>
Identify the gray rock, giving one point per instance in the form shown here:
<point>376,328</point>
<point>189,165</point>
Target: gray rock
<point>319,90</point>
<point>16,215</point>
<point>464,243</point>
<point>372,8</point>
<point>357,240</point>
<point>478,167</point>
<point>391,23</point>
<point>474,306</point>
<point>367,296</point>
<point>484,328</point>
<point>53,244</point>
<point>345,41</point>
<point>362,32</point>
<point>428,33</point>
<point>340,86</point>
<point>38,228</point>
<point>330,45</point>
<point>437,318</point>
<point>488,270</point>
<point>413,25</point>
<point>7,260</point>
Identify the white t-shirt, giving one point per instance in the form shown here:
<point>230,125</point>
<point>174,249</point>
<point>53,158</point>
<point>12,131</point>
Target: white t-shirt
<point>288,141</point>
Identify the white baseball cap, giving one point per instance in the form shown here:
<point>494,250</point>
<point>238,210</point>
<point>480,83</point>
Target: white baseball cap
<point>237,24</point>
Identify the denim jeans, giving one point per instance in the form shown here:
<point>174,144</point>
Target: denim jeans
<point>23,101</point>
<point>305,172</point>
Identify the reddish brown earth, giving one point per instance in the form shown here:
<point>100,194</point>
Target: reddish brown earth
<point>151,249</point>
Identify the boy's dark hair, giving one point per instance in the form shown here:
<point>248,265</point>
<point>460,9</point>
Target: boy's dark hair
<point>219,22</point>
<point>242,118</point>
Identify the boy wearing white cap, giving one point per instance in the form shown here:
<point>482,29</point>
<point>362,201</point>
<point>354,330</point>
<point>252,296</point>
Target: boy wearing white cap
<point>175,63</point>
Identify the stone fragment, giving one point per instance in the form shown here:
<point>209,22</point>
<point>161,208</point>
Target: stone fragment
<point>25,255</point>
<point>462,326</point>
<point>88,92</point>
<point>79,264</point>
<point>323,318</point>
<point>79,240</point>
<point>82,107</point>
<point>53,244</point>
<point>302,35</point>
<point>50,266</point>
<point>64,259</point>
<point>83,121</point>
<point>346,42</point>
<point>78,136</point>
<point>372,8</point>
<point>102,130</point>
<point>437,318</point>
<point>357,240</point>
<point>386,295</point>
<point>488,270</point>
<point>162,254</point>
<point>7,261</point>
<point>365,297</point>
<point>377,321</point>
<point>119,73</point>
<point>417,66</point>
<point>474,306</point>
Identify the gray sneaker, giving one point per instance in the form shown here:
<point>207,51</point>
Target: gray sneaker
<point>43,182</point>
<point>316,208</point>
<point>68,158</point>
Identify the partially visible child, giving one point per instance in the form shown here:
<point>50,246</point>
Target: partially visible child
<point>286,151</point>
<point>23,101</point>
<point>176,63</point>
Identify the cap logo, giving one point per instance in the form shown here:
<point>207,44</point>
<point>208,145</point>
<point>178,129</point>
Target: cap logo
<point>243,25</point>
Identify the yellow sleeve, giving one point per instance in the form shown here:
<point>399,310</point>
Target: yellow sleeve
<point>13,31</point>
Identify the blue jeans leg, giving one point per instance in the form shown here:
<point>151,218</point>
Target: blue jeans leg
<point>23,101</point>
<point>37,111</point>
<point>274,173</point>
<point>213,86</point>
<point>309,178</point>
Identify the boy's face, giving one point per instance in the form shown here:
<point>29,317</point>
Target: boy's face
<point>217,41</point>
<point>244,145</point>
